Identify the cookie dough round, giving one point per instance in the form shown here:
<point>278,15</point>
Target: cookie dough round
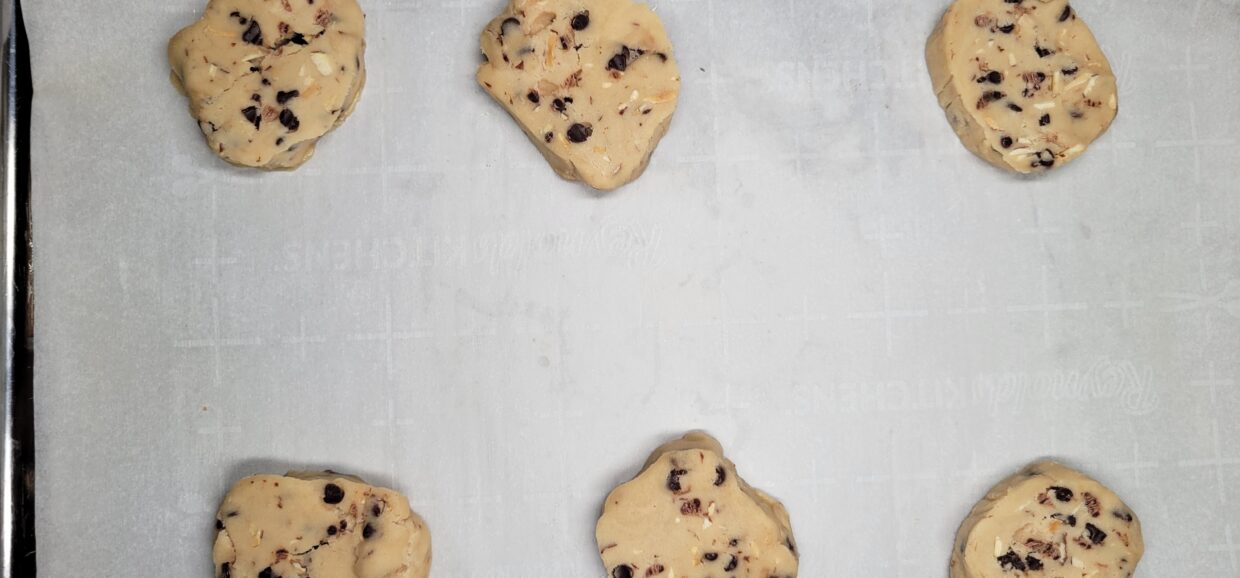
<point>593,83</point>
<point>689,515</point>
<point>1048,520</point>
<point>267,78</point>
<point>1023,82</point>
<point>318,524</point>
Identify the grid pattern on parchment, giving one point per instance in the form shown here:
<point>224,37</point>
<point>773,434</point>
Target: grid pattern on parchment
<point>877,325</point>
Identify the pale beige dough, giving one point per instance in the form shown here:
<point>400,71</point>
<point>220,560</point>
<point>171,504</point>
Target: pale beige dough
<point>689,515</point>
<point>593,83</point>
<point>321,525</point>
<point>267,78</point>
<point>1024,84</point>
<point>1048,521</point>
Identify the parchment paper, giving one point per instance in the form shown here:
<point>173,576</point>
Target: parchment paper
<point>877,325</point>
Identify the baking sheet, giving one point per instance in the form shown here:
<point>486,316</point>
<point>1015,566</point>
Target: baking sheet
<point>877,325</point>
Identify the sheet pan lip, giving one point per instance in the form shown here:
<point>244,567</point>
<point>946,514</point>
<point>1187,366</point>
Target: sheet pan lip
<point>17,531</point>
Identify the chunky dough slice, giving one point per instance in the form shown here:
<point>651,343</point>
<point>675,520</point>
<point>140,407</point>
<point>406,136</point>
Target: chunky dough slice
<point>267,78</point>
<point>322,525</point>
<point>593,83</point>
<point>1023,82</point>
<point>1052,521</point>
<point>688,515</point>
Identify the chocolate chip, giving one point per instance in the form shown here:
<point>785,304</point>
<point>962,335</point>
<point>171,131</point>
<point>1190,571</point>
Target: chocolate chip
<point>256,98</point>
<point>662,56</point>
<point>298,39</point>
<point>1046,158</point>
<point>344,525</point>
<point>251,114</point>
<point>580,133</point>
<point>1065,518</point>
<point>1042,52</point>
<point>332,494</point>
<point>219,524</point>
<point>995,77</point>
<point>731,565</point>
<point>1033,563</point>
<point>1094,533</point>
<point>253,34</point>
<point>721,475</point>
<point>1006,142</point>
<point>1007,28</point>
<point>1015,107</point>
<point>331,530</point>
<point>1069,71</point>
<point>289,120</point>
<point>533,96</point>
<point>266,573</point>
<point>1045,120</point>
<point>710,556</point>
<point>1011,561</point>
<point>279,141</point>
<point>375,510</point>
<point>620,62</point>
<point>988,97</point>
<point>581,20</point>
<point>367,531</point>
<point>226,570</point>
<point>284,96</point>
<point>1066,14</point>
<point>691,507</point>
<point>1125,516</point>
<point>673,477</point>
<point>547,137</point>
<point>622,572</point>
<point>1061,494</point>
<point>559,105</point>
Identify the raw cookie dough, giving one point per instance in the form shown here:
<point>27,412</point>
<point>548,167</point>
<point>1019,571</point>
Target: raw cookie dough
<point>1048,520</point>
<point>321,525</point>
<point>267,78</point>
<point>1023,82</point>
<point>593,83</point>
<point>688,515</point>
